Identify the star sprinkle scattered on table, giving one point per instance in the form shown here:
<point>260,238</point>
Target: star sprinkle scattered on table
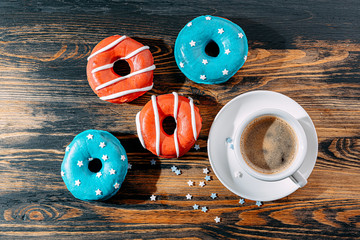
<point>238,174</point>
<point>197,147</point>
<point>190,183</point>
<point>202,184</point>
<point>258,203</point>
<point>242,201</point>
<point>153,162</point>
<point>213,195</point>
<point>188,196</point>
<point>129,166</point>
<point>206,170</point>
<point>204,209</point>
<point>174,168</point>
<point>217,219</point>
<point>153,198</point>
<point>207,178</point>
<point>178,172</point>
<point>195,206</point>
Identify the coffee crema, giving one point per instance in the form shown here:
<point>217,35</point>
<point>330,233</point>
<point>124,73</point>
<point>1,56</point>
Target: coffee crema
<point>268,144</point>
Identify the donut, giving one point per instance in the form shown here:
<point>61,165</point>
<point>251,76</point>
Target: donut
<point>103,79</point>
<point>150,130</point>
<point>94,166</point>
<point>190,49</point>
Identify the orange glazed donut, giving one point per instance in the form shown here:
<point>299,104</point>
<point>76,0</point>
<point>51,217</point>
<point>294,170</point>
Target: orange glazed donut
<point>110,86</point>
<point>151,133</point>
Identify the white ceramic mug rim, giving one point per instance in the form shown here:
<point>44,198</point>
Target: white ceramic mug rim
<point>299,132</point>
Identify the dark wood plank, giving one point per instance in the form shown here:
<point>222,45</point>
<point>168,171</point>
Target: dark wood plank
<point>306,50</point>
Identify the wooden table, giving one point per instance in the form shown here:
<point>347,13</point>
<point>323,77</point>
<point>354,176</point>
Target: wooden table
<point>306,50</point>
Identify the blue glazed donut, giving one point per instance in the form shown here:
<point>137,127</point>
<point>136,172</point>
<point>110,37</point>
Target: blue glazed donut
<point>80,179</point>
<point>190,53</point>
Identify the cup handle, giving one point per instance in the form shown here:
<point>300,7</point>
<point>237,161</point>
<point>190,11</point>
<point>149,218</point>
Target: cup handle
<point>299,179</point>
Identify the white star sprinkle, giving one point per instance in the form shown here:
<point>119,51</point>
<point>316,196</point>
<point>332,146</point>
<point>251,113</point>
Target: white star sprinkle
<point>240,35</point>
<point>67,149</point>
<point>242,201</point>
<point>238,174</point>
<point>258,203</point>
<point>102,145</point>
<point>217,219</point>
<point>90,136</point>
<point>116,185</point>
<point>99,174</point>
<point>208,18</point>
<point>245,58</point>
<point>227,51</point>
<point>62,173</point>
<point>80,163</point>
<point>196,207</point>
<point>197,147</point>
<point>153,162</point>
<point>205,170</point>
<point>220,30</point>
<point>123,157</point>
<point>192,43</point>
<point>213,195</point>
<point>204,209</point>
<point>112,172</point>
<point>207,178</point>
<point>181,64</point>
<point>204,61</point>
<point>105,157</point>
<point>188,196</point>
<point>129,165</point>
<point>190,183</point>
<point>189,24</point>
<point>202,184</point>
<point>98,192</point>
<point>202,77</point>
<point>173,168</point>
<point>178,172</point>
<point>225,72</point>
<point>77,183</point>
<point>153,198</point>
<point>90,159</point>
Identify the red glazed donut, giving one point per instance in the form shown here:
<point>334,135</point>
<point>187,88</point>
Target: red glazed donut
<point>151,133</point>
<point>112,87</point>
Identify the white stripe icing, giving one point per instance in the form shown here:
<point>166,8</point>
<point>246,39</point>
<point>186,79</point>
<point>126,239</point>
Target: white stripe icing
<point>135,52</point>
<point>123,93</point>
<point>107,47</point>
<point>110,65</point>
<point>193,121</point>
<point>152,67</point>
<point>157,124</point>
<point>138,128</point>
<point>176,103</point>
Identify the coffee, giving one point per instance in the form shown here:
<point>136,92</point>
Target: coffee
<point>268,144</point>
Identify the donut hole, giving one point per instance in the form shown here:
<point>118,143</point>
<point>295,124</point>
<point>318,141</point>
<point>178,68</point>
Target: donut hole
<point>95,165</point>
<point>212,49</point>
<point>169,125</point>
<point>121,67</point>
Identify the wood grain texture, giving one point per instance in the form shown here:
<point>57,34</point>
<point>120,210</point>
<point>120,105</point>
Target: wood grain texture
<point>306,50</point>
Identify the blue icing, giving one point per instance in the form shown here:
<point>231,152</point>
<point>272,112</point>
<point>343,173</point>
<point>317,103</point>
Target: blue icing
<point>201,31</point>
<point>81,149</point>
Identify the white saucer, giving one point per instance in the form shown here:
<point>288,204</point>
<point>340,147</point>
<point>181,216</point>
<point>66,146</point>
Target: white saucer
<point>222,156</point>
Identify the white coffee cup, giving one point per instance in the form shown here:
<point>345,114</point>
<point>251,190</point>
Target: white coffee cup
<point>292,171</point>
